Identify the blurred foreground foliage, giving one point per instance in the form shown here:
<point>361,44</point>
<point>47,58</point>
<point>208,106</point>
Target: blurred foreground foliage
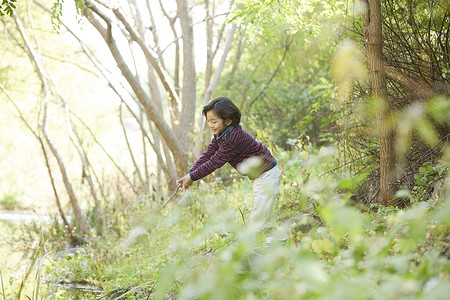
<point>202,248</point>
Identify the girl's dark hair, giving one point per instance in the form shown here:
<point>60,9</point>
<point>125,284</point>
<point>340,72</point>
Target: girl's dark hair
<point>225,109</point>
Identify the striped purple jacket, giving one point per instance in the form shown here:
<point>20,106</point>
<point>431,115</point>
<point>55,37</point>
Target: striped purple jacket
<point>233,146</point>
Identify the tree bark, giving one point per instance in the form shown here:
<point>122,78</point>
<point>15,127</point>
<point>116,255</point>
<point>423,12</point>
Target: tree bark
<point>188,93</point>
<point>373,31</point>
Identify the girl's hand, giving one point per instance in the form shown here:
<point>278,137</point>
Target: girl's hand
<point>184,183</point>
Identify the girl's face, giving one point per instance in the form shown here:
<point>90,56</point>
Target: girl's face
<point>216,123</point>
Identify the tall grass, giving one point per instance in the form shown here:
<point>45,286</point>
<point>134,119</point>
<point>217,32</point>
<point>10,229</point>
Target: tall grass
<point>3,287</point>
<point>36,256</point>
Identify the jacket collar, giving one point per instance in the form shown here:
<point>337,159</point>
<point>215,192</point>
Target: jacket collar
<point>225,132</point>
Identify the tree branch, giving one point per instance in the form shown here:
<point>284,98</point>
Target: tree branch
<point>286,48</point>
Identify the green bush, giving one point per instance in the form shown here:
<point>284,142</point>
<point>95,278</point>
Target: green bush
<point>9,201</point>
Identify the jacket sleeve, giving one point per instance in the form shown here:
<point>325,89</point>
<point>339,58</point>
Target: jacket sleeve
<point>210,151</point>
<point>221,156</point>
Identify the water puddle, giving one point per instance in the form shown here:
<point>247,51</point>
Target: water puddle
<point>23,217</point>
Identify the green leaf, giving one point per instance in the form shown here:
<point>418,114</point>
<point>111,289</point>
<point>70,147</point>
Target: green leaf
<point>443,214</point>
<point>165,282</point>
<point>405,245</point>
<point>345,219</point>
<point>346,183</point>
<point>290,244</point>
<point>439,109</point>
<point>322,245</point>
<point>352,182</point>
<point>421,181</point>
<point>402,194</point>
<point>261,239</point>
<point>437,288</point>
<point>427,132</point>
<point>415,224</point>
<point>400,263</point>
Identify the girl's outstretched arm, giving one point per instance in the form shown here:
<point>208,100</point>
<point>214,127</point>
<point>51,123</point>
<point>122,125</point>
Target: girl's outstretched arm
<point>185,182</point>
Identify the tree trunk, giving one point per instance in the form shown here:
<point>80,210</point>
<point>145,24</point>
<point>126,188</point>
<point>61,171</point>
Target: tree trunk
<point>151,110</point>
<point>79,217</point>
<point>373,30</point>
<point>47,87</point>
<point>188,93</point>
<point>141,28</point>
<point>47,162</point>
<point>211,87</point>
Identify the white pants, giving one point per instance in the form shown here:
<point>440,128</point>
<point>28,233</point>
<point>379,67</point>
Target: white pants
<point>265,190</point>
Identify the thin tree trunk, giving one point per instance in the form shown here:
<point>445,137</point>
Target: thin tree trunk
<point>85,165</point>
<point>108,155</point>
<point>236,61</point>
<point>47,164</point>
<point>373,27</point>
<point>161,165</point>
<point>209,20</point>
<point>144,149</point>
<point>49,87</point>
<point>163,76</point>
<point>188,94</point>
<point>52,181</point>
<point>211,87</point>
<point>155,35</point>
<point>169,169</point>
<point>46,88</point>
<point>82,224</point>
<point>130,150</point>
<point>172,21</point>
<point>154,144</point>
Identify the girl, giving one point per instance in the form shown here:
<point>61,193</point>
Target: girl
<point>231,144</point>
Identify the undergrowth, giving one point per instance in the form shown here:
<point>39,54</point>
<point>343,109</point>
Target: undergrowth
<point>321,246</point>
